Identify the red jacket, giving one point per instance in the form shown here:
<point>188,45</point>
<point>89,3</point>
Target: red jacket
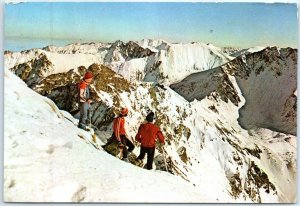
<point>86,92</point>
<point>118,127</point>
<point>82,84</point>
<point>147,135</point>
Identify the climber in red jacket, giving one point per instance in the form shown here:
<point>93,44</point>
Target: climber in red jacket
<point>120,135</point>
<point>84,100</point>
<point>147,135</point>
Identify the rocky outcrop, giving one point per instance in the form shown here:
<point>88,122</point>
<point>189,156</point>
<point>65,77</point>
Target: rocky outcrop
<point>62,88</point>
<point>33,71</point>
<point>214,83</point>
<point>127,51</point>
<point>231,50</point>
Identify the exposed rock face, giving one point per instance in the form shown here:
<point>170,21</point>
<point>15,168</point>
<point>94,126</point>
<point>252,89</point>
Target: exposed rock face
<point>120,50</point>
<point>268,81</point>
<point>231,50</point>
<point>33,71</point>
<point>62,88</point>
<point>214,82</point>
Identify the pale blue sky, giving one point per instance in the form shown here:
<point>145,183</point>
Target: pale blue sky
<point>222,24</point>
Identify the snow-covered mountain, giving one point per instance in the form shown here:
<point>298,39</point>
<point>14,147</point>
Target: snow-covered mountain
<point>147,60</point>
<point>267,80</point>
<point>217,141</point>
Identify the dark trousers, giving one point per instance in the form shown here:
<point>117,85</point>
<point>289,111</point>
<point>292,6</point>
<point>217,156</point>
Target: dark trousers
<point>126,142</point>
<point>150,155</point>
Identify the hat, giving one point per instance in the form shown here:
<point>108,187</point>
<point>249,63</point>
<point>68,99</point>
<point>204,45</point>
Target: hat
<point>88,75</point>
<point>150,117</point>
<point>124,111</point>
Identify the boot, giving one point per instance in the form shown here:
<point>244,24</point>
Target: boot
<point>84,127</point>
<point>139,162</point>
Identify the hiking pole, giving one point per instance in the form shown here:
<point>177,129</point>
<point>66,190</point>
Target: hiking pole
<point>164,156</point>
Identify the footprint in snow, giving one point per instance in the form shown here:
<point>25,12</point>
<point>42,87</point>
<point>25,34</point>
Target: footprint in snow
<point>9,183</point>
<point>14,144</point>
<point>17,94</point>
<point>69,145</point>
<point>50,149</point>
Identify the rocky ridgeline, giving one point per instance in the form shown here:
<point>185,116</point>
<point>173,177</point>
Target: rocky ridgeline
<point>214,82</point>
<point>231,50</point>
<point>147,60</point>
<point>78,48</point>
<point>62,88</point>
<point>130,50</point>
<point>34,70</point>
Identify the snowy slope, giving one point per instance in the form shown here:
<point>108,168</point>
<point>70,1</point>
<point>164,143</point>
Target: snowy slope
<point>180,60</point>
<point>48,159</point>
<point>171,62</point>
